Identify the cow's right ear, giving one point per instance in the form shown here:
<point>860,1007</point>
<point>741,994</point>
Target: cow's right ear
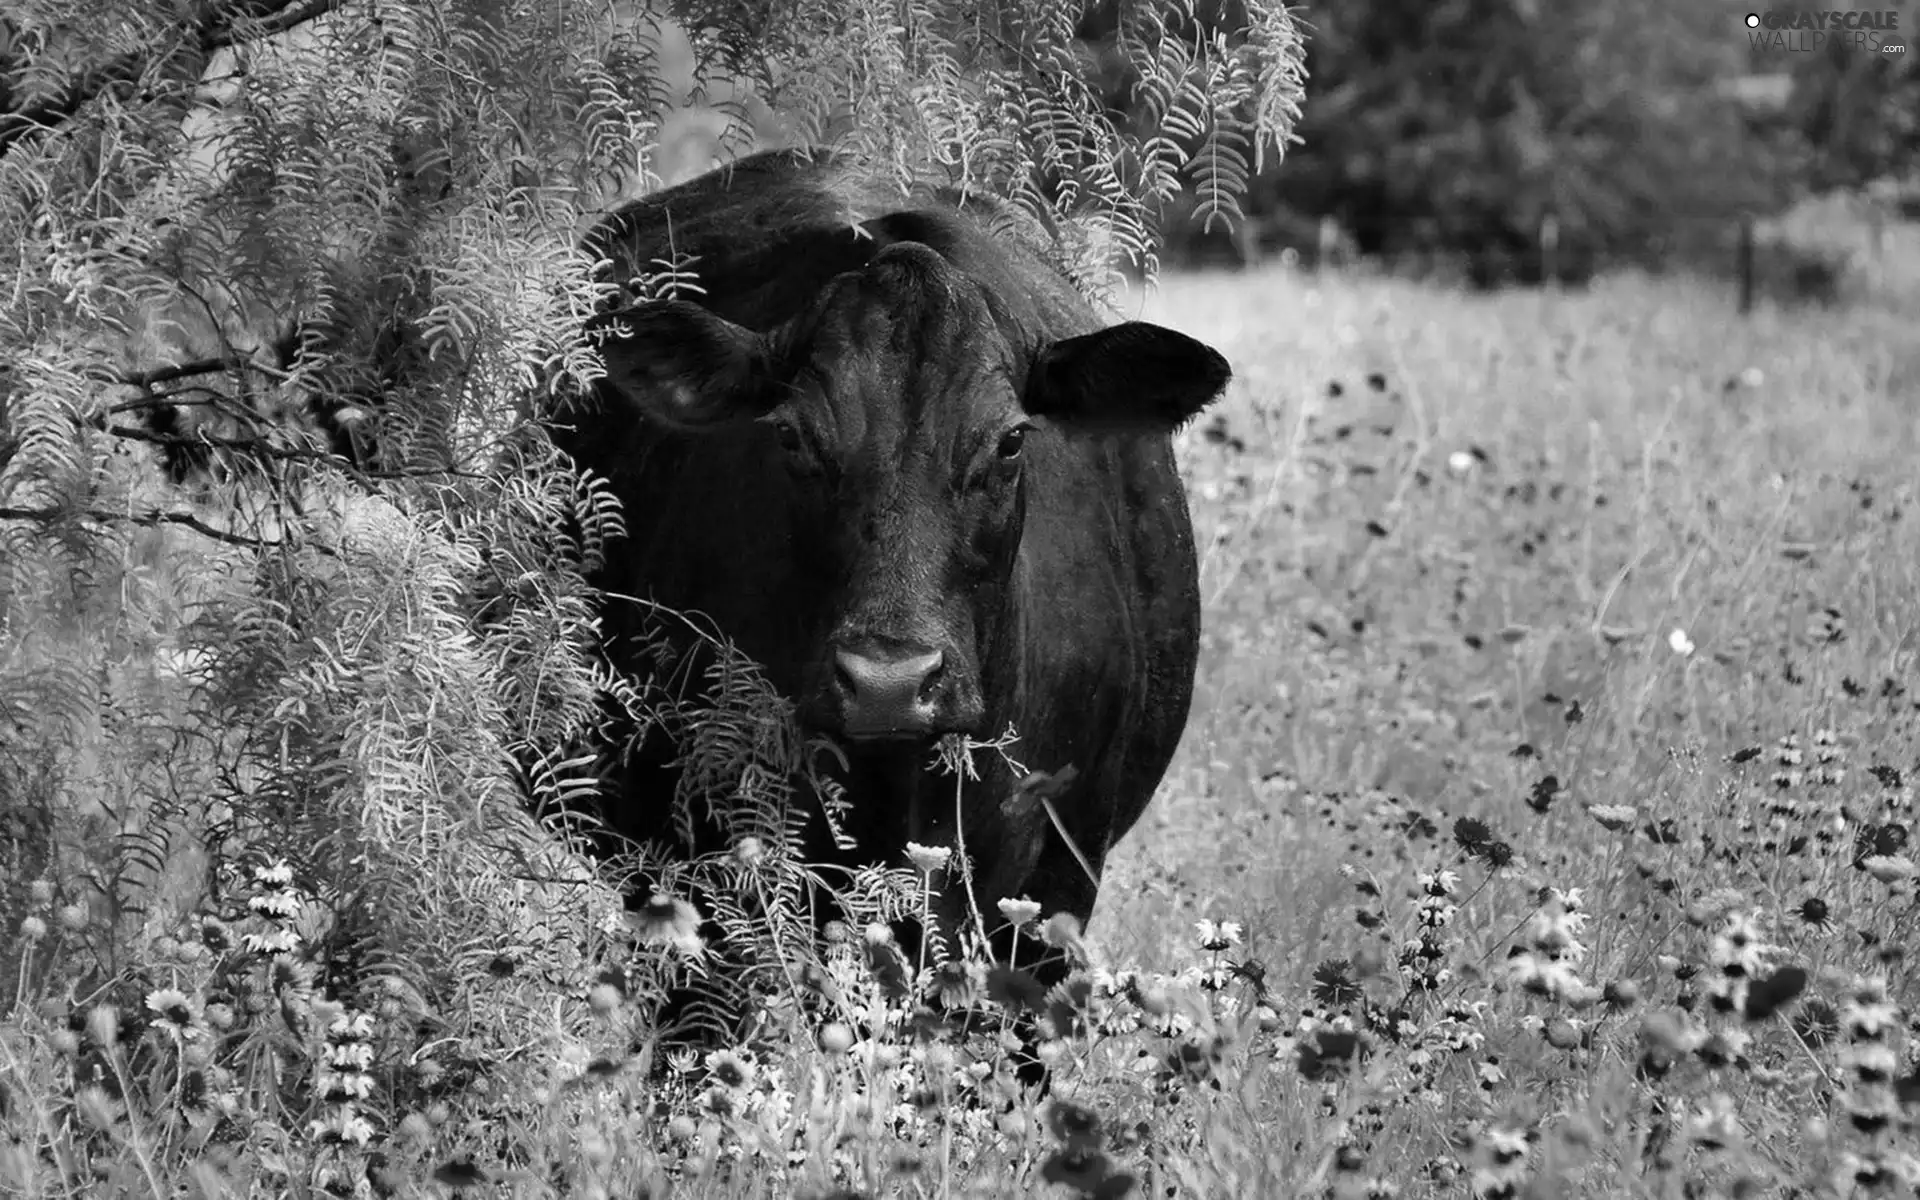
<point>682,365</point>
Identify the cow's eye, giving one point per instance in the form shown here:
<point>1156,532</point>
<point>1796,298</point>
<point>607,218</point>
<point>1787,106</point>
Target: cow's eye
<point>1011,443</point>
<point>797,450</point>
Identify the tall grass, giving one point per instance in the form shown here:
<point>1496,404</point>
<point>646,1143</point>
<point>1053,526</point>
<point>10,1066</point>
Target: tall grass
<point>1541,829</point>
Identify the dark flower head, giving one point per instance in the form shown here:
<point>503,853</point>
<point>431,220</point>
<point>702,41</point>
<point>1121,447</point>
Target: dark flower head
<point>1472,834</point>
<point>956,983</point>
<point>1769,993</point>
<point>1814,911</point>
<point>1081,1168</point>
<point>1067,1005</point>
<point>1334,984</point>
<point>1075,1124</point>
<point>1015,989</point>
<point>1495,854</point>
<point>1327,1053</point>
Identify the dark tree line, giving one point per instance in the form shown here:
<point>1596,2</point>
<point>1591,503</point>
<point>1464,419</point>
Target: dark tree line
<point>1632,131</point>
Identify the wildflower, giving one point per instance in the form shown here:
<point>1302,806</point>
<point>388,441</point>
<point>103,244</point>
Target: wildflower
<point>1555,929</point>
<point>1196,1056</point>
<point>179,1014</point>
<point>414,1127</point>
<point>668,921</point>
<point>1614,817</point>
<point>1769,993</point>
<point>749,851</point>
<point>350,1056</point>
<point>1500,1165</point>
<point>278,941</point>
<point>1737,949</point>
<point>32,929</point>
<point>603,998</point>
<point>1680,643</point>
<point>342,1086</point>
<point>1889,868</point>
<point>1868,1013</point>
<point>957,982</point>
<point>1715,1126</point>
<point>928,859</point>
<point>1876,1172</point>
<point>731,1068</point>
<point>836,1038</point>
<point>1814,911</point>
<point>215,935</point>
<point>72,917</point>
<point>276,874</point>
<point>1081,1168</point>
<point>1459,462</point>
<point>40,891</point>
<point>1223,935</point>
<point>1621,994</point>
<point>275,905</point>
<point>1326,1052</point>
<point>1472,834</point>
<point>342,1126</point>
<point>1019,913</point>
<point>1334,985</point>
<point>682,1061</point>
<point>1075,1124</point>
<point>1723,1047</point>
<point>1062,932</point>
<point>103,1024</point>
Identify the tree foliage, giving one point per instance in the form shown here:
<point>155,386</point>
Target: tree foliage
<point>320,258</point>
<point>1460,126</point>
<point>1857,113</point>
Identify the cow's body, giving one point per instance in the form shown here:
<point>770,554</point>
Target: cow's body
<point>834,497</point>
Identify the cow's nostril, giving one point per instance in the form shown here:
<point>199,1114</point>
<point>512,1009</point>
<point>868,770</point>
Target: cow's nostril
<point>932,680</point>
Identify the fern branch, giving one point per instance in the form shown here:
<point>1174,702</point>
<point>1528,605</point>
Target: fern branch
<point>151,517</point>
<point>218,27</point>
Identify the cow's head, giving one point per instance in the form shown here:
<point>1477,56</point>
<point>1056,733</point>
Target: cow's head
<point>905,412</point>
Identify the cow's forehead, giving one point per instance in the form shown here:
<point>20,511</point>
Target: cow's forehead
<point>910,343</point>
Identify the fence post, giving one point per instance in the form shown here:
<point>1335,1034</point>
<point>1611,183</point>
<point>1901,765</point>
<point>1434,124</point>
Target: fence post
<point>1746,263</point>
<point>1550,251</point>
<point>1246,240</point>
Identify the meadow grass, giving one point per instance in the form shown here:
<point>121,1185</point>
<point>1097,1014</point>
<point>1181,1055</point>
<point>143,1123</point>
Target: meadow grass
<point>1540,829</point>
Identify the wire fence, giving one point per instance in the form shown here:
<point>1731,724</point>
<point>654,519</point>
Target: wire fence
<point>1823,251</point>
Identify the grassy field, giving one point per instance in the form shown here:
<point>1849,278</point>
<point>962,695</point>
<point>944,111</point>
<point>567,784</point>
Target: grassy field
<point>1540,829</point>
<point>1623,577</point>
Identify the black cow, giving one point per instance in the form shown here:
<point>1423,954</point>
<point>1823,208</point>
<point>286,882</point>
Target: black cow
<point>900,462</point>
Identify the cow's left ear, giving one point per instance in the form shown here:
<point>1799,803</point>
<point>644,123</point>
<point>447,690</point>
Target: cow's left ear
<point>682,365</point>
<point>1132,377</point>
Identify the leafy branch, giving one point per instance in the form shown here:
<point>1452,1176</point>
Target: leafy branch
<point>217,27</point>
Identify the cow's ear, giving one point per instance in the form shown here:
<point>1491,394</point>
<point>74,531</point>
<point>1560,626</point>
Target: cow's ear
<point>1132,377</point>
<point>682,365</point>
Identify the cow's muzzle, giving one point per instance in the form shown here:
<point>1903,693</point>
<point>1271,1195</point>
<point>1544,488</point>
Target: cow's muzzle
<point>889,691</point>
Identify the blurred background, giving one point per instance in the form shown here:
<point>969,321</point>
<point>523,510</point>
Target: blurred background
<point>1511,141</point>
